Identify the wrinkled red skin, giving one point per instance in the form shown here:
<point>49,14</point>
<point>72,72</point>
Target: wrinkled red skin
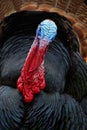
<point>31,80</point>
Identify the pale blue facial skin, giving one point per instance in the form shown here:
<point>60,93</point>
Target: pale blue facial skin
<point>47,30</point>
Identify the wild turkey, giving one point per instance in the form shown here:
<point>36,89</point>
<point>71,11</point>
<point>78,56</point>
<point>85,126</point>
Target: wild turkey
<point>52,108</point>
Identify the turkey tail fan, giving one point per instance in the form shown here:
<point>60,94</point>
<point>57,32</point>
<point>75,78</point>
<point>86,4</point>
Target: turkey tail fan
<point>11,108</point>
<point>54,112</point>
<point>27,21</point>
<point>76,83</point>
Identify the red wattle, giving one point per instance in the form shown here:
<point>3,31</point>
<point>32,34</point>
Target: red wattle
<point>42,85</point>
<point>20,84</point>
<point>35,89</point>
<point>28,98</point>
<point>31,80</point>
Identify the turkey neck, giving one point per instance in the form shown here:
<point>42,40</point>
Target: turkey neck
<point>31,79</point>
<point>35,56</point>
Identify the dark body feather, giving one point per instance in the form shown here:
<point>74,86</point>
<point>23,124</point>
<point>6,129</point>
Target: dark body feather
<point>76,84</point>
<point>52,109</point>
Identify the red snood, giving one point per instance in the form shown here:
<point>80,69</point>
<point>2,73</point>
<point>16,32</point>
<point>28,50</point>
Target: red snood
<point>31,80</point>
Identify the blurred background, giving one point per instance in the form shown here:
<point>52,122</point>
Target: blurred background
<point>74,10</point>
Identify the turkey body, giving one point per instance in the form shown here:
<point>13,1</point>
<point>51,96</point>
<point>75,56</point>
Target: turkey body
<point>53,108</point>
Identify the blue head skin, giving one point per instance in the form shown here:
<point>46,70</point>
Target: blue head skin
<point>46,30</point>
